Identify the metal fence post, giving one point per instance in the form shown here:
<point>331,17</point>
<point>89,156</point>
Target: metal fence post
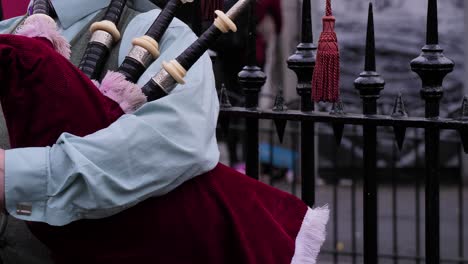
<point>302,62</point>
<point>432,67</point>
<point>370,84</point>
<point>251,79</point>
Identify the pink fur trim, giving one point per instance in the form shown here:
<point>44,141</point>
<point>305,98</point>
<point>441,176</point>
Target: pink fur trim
<point>96,83</point>
<point>39,26</point>
<point>128,95</point>
<point>311,236</point>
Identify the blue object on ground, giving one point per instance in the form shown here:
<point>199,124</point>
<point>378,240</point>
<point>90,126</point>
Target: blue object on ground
<point>279,157</point>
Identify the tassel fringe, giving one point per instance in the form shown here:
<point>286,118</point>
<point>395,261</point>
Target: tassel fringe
<point>40,26</point>
<point>326,78</point>
<point>128,95</point>
<point>311,236</point>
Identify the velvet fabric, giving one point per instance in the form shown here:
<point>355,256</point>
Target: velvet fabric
<point>44,95</point>
<point>218,217</point>
<point>221,216</point>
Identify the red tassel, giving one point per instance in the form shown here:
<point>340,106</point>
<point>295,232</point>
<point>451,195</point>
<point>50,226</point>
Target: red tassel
<point>208,7</point>
<point>326,78</point>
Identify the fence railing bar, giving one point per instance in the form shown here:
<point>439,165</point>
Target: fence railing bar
<point>251,143</point>
<point>432,196</point>
<point>383,135</point>
<point>370,196</point>
<point>349,119</point>
<point>302,62</point>
<point>461,224</point>
<point>335,207</point>
<point>353,204</point>
<point>395,176</point>
<point>272,153</point>
<point>370,84</point>
<point>307,154</point>
<point>251,79</point>
<point>432,67</point>
<point>295,163</point>
<point>417,204</point>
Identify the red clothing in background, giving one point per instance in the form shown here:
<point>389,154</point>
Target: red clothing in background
<point>12,8</point>
<point>264,8</point>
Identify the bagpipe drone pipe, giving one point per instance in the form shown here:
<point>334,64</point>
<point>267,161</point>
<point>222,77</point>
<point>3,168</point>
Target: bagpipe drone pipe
<point>221,216</point>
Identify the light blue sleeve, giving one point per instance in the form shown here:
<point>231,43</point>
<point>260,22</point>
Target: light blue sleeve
<point>149,153</point>
<point>7,26</point>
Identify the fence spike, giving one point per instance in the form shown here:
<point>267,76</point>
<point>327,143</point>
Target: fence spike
<point>224,122</point>
<point>464,117</point>
<point>338,108</point>
<point>224,101</point>
<point>399,111</point>
<point>370,42</point>
<point>400,134</point>
<point>280,124</point>
<point>338,130</point>
<point>464,109</point>
<point>369,83</point>
<point>464,139</point>
<point>279,104</point>
<point>432,33</point>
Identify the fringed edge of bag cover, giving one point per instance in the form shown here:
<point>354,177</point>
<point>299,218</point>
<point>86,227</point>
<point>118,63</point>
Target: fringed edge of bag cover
<point>128,95</point>
<point>311,236</point>
<point>43,26</point>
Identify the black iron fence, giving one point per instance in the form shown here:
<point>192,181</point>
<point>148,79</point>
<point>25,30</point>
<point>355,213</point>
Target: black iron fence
<point>432,67</point>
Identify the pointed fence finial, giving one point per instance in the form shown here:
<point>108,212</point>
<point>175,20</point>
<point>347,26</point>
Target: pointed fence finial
<point>464,109</point>
<point>337,108</point>
<point>279,103</point>
<point>251,78</point>
<point>280,124</point>
<point>432,33</point>
<point>307,35</point>
<point>370,41</point>
<point>338,128</point>
<point>224,101</point>
<point>464,117</point>
<point>399,111</point>
<point>302,62</point>
<point>370,83</point>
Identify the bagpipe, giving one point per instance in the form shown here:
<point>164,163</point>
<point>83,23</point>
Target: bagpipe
<point>221,216</point>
